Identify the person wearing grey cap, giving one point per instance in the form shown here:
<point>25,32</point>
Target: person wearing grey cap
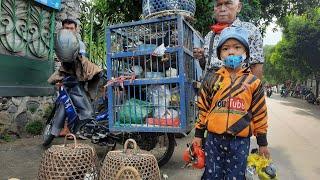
<point>226,12</point>
<point>232,108</point>
<point>72,25</point>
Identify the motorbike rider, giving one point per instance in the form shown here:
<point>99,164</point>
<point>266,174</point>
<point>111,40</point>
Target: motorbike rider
<point>283,90</point>
<point>72,25</point>
<point>269,90</point>
<point>84,73</point>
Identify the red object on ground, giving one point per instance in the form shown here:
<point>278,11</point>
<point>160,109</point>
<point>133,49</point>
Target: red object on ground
<point>194,155</point>
<point>164,122</point>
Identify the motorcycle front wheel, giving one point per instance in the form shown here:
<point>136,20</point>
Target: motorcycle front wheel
<point>164,148</point>
<point>46,135</point>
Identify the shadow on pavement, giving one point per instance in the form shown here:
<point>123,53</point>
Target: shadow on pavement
<point>317,170</point>
<point>286,169</point>
<point>302,107</point>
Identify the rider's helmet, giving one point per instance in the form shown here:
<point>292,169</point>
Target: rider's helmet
<point>67,46</point>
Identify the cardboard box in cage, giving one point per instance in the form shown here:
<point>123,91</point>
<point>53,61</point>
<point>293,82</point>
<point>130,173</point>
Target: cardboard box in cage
<point>164,122</point>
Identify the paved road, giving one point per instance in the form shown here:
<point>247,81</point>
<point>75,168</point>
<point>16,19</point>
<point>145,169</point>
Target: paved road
<point>293,138</point>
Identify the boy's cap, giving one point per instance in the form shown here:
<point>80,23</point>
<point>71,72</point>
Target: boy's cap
<point>237,33</point>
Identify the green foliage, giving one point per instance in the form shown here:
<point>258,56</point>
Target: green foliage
<point>96,15</point>
<point>204,15</point>
<point>34,127</point>
<point>32,109</point>
<point>296,56</point>
<point>251,12</point>
<point>7,138</point>
<point>280,9</point>
<point>117,10</point>
<point>47,111</point>
<point>259,12</point>
<point>290,14</point>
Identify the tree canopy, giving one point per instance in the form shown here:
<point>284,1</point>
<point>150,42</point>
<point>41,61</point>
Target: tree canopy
<point>296,56</point>
<point>259,12</point>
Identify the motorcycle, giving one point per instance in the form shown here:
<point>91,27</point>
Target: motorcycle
<point>311,98</point>
<point>283,93</point>
<point>159,144</point>
<point>318,101</point>
<point>269,92</point>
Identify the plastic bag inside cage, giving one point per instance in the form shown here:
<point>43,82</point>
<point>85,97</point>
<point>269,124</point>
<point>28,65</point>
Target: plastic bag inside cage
<point>165,112</point>
<point>153,8</point>
<point>134,111</point>
<point>160,96</point>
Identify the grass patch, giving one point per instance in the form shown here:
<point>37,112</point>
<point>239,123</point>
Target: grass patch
<point>47,111</point>
<point>34,127</point>
<point>7,138</point>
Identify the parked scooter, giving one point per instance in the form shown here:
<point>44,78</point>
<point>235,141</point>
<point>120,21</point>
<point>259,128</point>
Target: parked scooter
<point>311,98</point>
<point>318,101</point>
<point>160,144</point>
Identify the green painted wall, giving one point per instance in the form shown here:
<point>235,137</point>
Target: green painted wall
<point>20,76</point>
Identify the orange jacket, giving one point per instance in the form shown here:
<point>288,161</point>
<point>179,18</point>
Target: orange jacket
<point>237,108</point>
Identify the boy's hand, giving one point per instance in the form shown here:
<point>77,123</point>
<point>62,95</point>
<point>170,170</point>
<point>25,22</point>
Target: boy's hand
<point>264,151</point>
<point>197,141</point>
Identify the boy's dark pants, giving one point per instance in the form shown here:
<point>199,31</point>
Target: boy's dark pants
<point>226,157</point>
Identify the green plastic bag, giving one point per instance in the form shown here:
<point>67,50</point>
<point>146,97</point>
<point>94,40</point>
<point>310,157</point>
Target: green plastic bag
<point>134,111</point>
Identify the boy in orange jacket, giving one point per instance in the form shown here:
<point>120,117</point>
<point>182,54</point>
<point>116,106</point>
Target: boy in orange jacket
<point>231,108</point>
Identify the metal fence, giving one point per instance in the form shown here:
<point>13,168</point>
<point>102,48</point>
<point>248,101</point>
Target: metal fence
<point>26,47</point>
<point>93,34</point>
<point>26,29</point>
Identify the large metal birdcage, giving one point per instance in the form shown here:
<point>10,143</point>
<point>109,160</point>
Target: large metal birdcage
<point>152,92</point>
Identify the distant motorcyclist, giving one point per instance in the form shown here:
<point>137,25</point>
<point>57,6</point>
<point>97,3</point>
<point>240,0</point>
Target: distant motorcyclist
<point>311,97</point>
<point>67,49</point>
<point>269,91</point>
<point>283,91</point>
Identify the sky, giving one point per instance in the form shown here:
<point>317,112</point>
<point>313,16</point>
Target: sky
<point>272,38</point>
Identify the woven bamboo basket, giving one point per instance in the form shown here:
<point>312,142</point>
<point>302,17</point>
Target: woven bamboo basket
<point>69,161</point>
<point>130,164</point>
<point>160,8</point>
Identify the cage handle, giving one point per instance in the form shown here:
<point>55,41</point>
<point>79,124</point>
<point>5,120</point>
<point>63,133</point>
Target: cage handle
<point>74,138</point>
<point>135,146</point>
<point>131,169</point>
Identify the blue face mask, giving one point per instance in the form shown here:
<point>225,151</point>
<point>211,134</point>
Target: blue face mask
<point>233,62</point>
